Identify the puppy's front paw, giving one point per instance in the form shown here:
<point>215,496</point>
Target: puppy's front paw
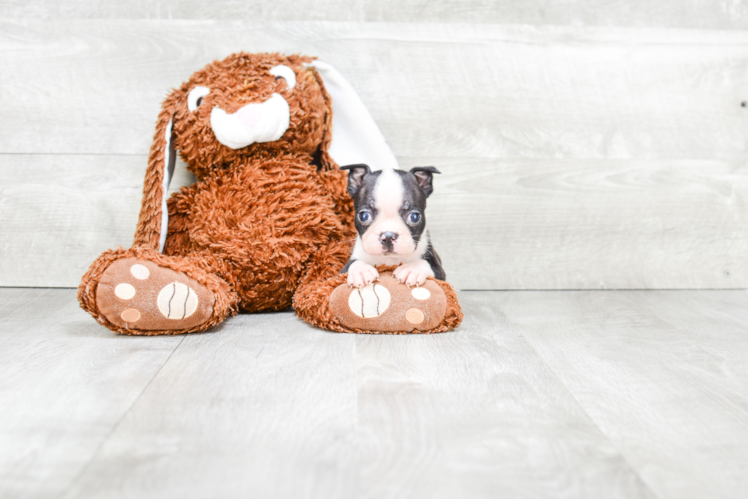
<point>361,274</point>
<point>414,273</point>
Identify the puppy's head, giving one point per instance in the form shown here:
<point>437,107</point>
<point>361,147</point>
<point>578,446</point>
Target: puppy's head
<point>390,207</point>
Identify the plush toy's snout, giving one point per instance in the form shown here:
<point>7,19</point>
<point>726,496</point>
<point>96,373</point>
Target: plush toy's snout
<point>262,122</point>
<point>237,125</point>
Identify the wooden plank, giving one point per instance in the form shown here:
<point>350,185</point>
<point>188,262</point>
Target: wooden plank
<point>476,413</point>
<point>556,96</point>
<point>458,90</point>
<point>563,224</point>
<point>498,224</point>
<point>537,394</point>
<point>268,407</point>
<point>59,212</point>
<point>65,382</point>
<point>701,14</point>
<point>264,406</point>
<point>709,14</point>
<point>663,374</point>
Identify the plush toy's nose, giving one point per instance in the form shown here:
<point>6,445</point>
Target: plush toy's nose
<point>388,239</point>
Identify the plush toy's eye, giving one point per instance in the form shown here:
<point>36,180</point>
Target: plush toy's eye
<point>195,97</point>
<point>364,216</point>
<point>283,71</point>
<point>414,217</point>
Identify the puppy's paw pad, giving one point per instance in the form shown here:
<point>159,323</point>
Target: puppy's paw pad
<point>362,275</point>
<point>414,274</point>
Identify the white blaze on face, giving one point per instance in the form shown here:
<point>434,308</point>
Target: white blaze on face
<point>388,200</point>
<point>258,122</point>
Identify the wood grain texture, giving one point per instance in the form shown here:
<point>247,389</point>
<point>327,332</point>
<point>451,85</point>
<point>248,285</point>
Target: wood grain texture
<point>702,14</point>
<point>65,382</point>
<point>563,394</point>
<point>445,90</point>
<point>264,406</point>
<point>268,406</point>
<point>476,414</point>
<point>663,374</point>
<point>525,224</point>
<point>59,212</point>
<point>660,109</point>
<point>595,224</point>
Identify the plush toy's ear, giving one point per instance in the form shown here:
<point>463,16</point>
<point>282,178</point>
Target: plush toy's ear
<point>356,174</point>
<point>425,178</point>
<point>355,136</point>
<point>153,222</point>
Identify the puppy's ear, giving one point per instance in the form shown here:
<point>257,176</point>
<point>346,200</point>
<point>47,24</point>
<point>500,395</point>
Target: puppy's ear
<point>356,174</point>
<point>425,178</point>
<point>153,222</point>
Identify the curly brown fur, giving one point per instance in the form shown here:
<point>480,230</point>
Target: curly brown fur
<point>229,235</point>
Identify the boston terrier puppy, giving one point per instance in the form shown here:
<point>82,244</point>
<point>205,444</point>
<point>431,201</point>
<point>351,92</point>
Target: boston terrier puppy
<point>391,224</point>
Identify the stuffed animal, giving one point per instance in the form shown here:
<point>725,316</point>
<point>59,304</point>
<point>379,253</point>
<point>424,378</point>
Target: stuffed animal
<point>268,222</point>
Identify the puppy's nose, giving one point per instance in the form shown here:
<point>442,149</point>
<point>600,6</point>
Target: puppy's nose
<point>388,239</point>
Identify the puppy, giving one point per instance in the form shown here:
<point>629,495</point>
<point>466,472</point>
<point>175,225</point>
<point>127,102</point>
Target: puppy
<point>391,222</point>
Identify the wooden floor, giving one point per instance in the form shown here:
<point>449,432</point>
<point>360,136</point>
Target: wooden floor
<point>570,394</point>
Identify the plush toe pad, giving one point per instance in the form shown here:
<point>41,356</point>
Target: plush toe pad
<point>388,306</point>
<point>139,295</point>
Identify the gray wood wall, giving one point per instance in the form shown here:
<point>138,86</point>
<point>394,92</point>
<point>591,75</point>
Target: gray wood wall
<point>583,144</point>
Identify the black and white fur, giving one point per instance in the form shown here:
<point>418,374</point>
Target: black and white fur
<point>391,223</point>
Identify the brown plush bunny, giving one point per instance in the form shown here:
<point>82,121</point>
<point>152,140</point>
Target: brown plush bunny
<point>268,221</point>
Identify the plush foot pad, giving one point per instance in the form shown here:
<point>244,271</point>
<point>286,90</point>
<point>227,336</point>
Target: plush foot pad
<point>139,295</point>
<point>389,307</point>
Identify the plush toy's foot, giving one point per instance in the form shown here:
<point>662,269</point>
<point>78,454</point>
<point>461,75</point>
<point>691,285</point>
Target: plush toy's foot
<point>136,294</point>
<point>389,307</point>
<point>143,292</point>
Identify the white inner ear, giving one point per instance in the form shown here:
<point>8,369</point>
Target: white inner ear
<point>286,73</point>
<point>355,136</point>
<point>194,95</point>
<point>166,181</point>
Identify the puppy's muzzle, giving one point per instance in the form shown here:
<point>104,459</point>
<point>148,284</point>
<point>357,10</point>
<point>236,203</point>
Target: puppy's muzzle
<point>388,240</point>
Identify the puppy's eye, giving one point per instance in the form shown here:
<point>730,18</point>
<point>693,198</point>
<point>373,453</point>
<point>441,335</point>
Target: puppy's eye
<point>414,217</point>
<point>364,216</point>
<point>283,71</point>
<point>195,97</point>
